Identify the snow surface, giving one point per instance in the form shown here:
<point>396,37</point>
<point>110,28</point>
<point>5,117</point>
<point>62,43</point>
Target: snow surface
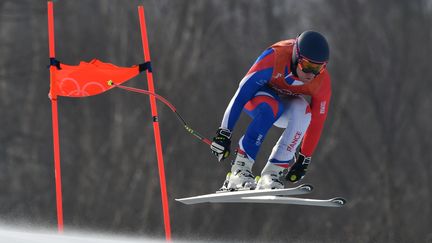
<point>9,234</point>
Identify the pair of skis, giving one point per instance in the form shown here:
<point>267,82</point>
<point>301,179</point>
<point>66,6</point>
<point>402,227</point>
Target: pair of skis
<point>278,196</point>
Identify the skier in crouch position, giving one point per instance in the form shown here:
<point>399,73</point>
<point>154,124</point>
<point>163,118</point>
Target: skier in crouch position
<point>271,93</point>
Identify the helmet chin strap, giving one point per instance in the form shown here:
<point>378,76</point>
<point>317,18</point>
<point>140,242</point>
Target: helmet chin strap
<point>294,70</point>
<point>294,62</point>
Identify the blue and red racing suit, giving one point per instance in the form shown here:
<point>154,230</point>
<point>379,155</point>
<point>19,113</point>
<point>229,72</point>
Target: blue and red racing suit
<point>272,95</point>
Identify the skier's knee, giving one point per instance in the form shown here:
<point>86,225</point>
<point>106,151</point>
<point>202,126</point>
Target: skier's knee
<point>273,111</point>
<point>266,106</point>
<point>300,109</point>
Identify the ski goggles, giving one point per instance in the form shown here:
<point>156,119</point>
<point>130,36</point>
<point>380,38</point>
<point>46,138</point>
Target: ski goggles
<point>306,65</point>
<point>310,67</point>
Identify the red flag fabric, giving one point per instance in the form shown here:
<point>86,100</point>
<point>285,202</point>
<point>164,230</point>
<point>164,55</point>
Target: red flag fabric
<point>88,78</point>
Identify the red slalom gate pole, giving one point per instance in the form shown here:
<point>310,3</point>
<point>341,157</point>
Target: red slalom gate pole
<point>54,109</point>
<point>156,130</point>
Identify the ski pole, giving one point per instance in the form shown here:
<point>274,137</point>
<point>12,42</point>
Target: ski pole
<point>167,103</point>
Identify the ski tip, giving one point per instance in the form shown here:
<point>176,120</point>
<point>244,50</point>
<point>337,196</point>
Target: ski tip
<point>192,200</point>
<point>306,187</point>
<point>339,200</point>
<point>182,200</point>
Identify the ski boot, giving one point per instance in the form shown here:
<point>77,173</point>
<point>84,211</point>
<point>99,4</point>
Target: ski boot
<point>240,177</point>
<point>271,177</point>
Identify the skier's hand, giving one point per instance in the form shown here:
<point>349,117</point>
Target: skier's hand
<point>221,144</point>
<point>298,170</point>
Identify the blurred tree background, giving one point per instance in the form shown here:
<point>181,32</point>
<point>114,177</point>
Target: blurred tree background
<point>375,149</point>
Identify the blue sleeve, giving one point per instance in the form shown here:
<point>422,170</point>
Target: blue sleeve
<point>257,77</point>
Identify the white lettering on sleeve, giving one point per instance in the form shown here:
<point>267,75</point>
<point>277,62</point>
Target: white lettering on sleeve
<point>323,107</point>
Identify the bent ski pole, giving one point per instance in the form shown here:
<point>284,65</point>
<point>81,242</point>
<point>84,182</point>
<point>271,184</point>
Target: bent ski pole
<point>167,103</point>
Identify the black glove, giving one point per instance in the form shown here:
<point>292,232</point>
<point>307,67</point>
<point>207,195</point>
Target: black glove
<point>298,170</point>
<point>221,144</point>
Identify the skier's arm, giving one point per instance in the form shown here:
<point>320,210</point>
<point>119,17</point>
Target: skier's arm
<point>319,109</point>
<point>259,75</point>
